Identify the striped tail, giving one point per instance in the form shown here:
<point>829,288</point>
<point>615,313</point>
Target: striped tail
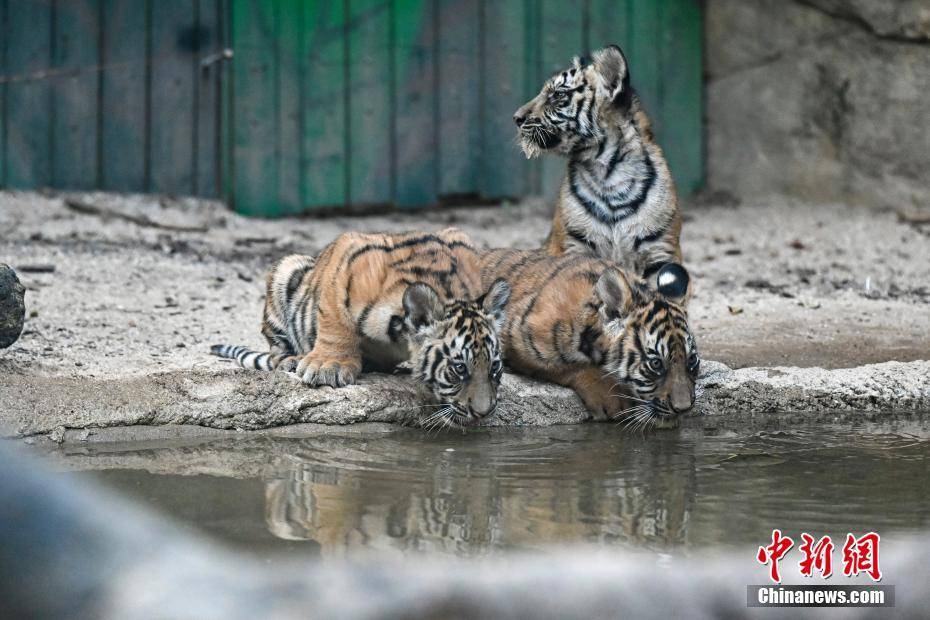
<point>253,360</point>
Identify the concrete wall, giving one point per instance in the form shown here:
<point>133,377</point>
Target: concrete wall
<point>824,99</point>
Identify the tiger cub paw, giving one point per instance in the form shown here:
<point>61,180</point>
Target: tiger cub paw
<point>288,364</point>
<point>316,372</point>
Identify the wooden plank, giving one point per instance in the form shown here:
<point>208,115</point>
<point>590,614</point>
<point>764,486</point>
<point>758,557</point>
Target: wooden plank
<point>288,144</point>
<point>370,102</point>
<point>562,39</point>
<point>415,102</point>
<point>123,138</point>
<point>681,103</point>
<point>255,93</point>
<point>77,38</point>
<point>643,55</point>
<point>323,138</point>
<point>29,95</point>
<point>207,98</point>
<point>609,23</point>
<point>533,80</point>
<point>173,134</point>
<point>226,141</point>
<point>459,97</point>
<point>5,73</point>
<point>505,169</point>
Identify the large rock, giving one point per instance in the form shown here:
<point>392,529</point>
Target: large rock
<point>823,99</point>
<point>237,399</point>
<point>12,306</point>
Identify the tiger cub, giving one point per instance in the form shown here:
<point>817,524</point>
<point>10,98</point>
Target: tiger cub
<point>412,298</point>
<point>618,199</point>
<point>625,348</point>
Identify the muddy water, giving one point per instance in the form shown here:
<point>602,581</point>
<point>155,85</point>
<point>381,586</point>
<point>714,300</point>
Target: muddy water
<point>484,492</point>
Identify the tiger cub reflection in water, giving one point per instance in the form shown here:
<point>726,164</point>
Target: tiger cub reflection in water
<point>386,494</point>
<point>412,299</point>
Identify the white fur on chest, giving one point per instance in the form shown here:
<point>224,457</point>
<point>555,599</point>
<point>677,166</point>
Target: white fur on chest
<point>377,345</point>
<point>619,236</point>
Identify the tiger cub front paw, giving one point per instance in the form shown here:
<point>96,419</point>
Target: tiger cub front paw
<point>316,372</point>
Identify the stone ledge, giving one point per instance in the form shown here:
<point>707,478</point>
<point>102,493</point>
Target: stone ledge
<point>236,399</point>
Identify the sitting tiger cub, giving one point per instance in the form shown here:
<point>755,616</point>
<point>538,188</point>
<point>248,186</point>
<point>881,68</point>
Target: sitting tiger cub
<point>618,200</point>
<point>583,323</point>
<point>413,298</point>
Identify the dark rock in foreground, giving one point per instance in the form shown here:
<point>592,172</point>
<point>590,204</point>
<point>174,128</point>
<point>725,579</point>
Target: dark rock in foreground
<point>12,306</point>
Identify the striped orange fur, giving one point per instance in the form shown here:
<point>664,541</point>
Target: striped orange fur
<point>414,299</point>
<point>625,347</point>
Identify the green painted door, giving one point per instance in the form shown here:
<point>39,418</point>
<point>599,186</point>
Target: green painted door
<point>326,104</point>
<point>361,104</point>
<point>118,95</point>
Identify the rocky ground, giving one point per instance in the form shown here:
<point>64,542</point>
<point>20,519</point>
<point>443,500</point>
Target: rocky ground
<point>125,294</point>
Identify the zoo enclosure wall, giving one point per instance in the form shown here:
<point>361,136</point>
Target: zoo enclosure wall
<point>344,104</point>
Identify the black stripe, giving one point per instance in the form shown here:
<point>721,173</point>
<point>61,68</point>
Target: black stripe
<point>650,270</point>
<point>650,238</point>
<point>437,359</point>
<point>618,156</point>
<point>636,202</point>
<point>293,282</point>
<point>530,342</point>
<point>593,210</point>
<point>348,298</point>
<point>296,315</point>
<point>581,238</point>
<point>587,344</point>
<point>317,310</point>
<point>406,244</point>
<point>654,309</point>
<point>556,341</point>
<point>590,114</point>
<point>413,257</point>
<point>395,328</point>
<point>362,317</point>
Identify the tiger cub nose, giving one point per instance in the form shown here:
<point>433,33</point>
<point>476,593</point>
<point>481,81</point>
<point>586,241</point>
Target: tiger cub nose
<point>519,119</point>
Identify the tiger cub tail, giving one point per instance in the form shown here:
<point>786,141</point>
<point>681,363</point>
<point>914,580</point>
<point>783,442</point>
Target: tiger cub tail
<point>255,360</point>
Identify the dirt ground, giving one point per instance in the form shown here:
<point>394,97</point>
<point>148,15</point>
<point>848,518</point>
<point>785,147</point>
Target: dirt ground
<point>122,285</point>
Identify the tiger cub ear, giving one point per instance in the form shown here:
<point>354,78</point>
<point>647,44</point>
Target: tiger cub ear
<point>422,307</point>
<point>615,294</point>
<point>672,282</point>
<point>611,66</point>
<point>494,300</point>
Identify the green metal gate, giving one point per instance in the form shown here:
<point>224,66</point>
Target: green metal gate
<point>346,104</point>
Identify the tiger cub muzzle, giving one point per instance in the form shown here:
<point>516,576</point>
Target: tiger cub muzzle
<point>456,351</point>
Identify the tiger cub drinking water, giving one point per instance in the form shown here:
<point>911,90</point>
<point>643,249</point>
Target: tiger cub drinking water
<point>413,298</point>
<point>618,199</point>
<point>625,347</point>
